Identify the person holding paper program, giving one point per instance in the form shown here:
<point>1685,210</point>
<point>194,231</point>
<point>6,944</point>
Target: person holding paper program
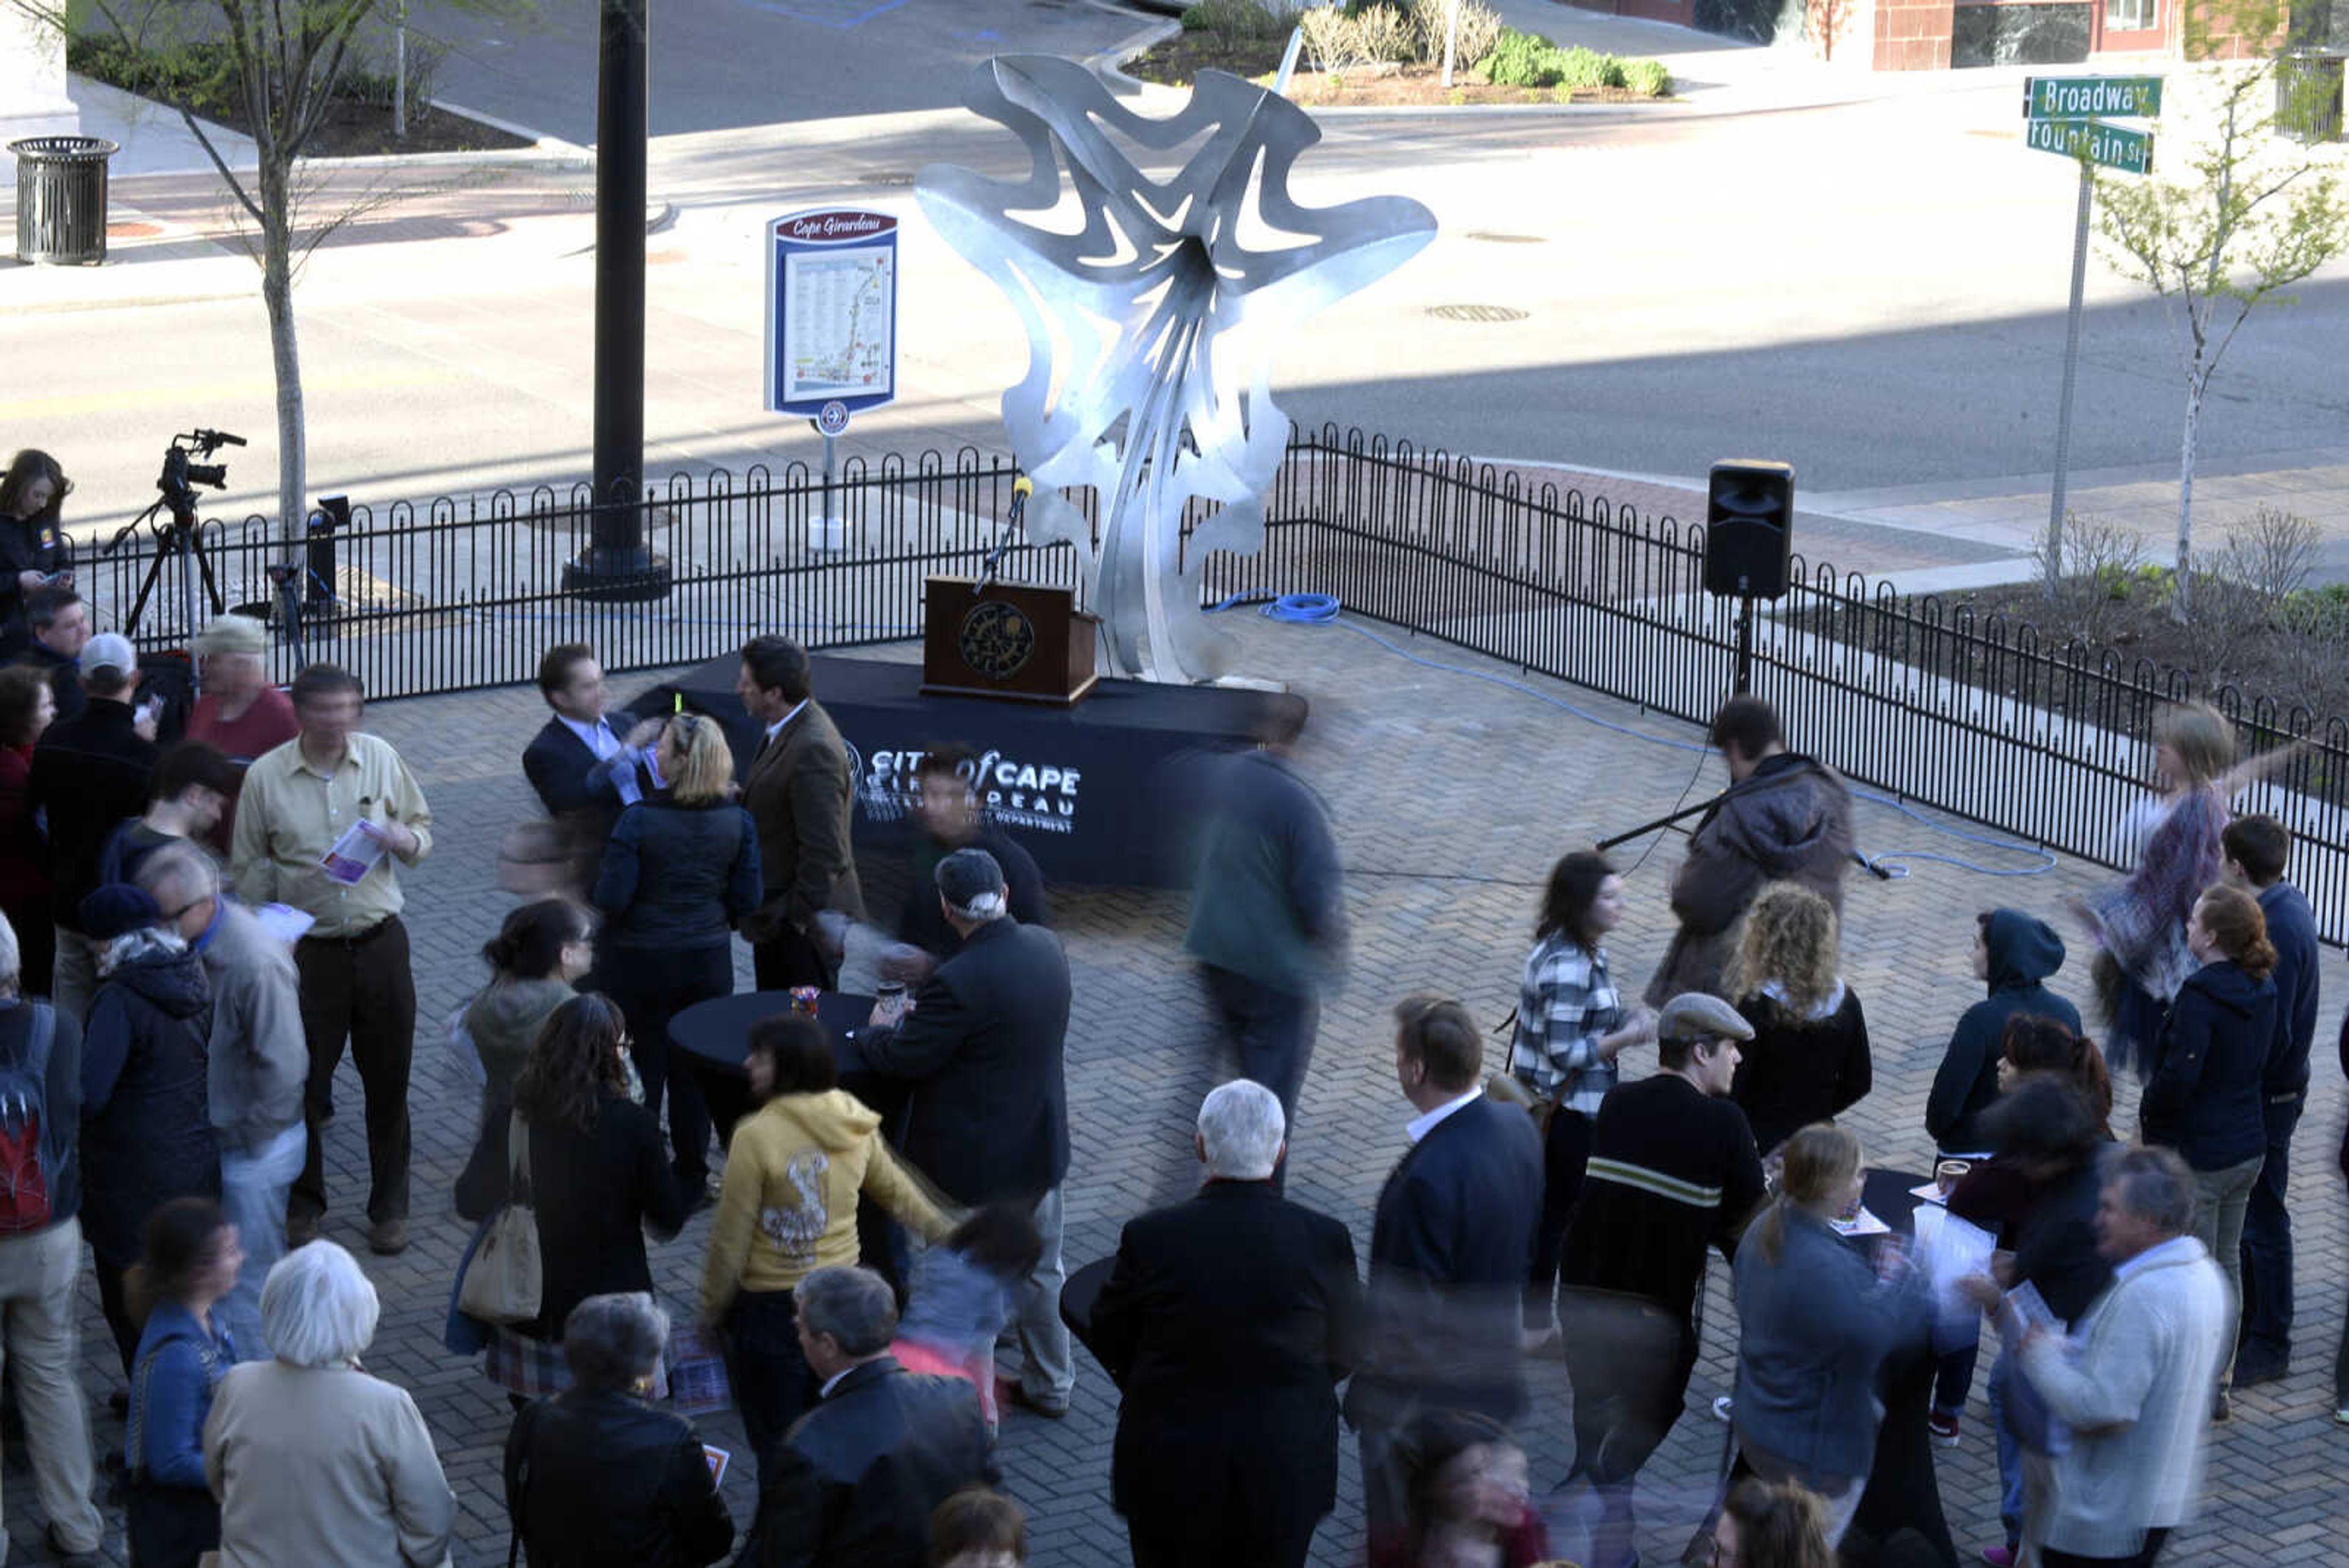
<point>322,819</point>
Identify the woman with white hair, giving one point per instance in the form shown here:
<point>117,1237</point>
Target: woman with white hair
<point>314,1460</point>
<point>598,1475</point>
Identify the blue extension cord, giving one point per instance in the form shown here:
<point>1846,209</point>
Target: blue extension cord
<point>1322,609</point>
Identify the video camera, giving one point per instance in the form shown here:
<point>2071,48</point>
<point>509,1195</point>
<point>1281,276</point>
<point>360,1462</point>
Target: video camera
<point>179,476</point>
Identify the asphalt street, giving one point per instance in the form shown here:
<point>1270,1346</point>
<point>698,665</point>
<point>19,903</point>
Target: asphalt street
<point>1872,291</point>
<point>718,64</point>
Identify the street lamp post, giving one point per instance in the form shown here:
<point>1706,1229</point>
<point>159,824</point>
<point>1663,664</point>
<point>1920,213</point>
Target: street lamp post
<point>617,565</point>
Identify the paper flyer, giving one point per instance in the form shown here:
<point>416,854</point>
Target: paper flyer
<point>355,854</point>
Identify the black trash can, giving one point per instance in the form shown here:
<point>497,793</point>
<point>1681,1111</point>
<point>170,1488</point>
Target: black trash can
<point>61,198</point>
<point>2308,93</point>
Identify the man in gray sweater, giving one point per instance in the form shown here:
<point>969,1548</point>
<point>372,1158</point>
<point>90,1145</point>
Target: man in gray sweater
<point>2135,1379</point>
<point>259,1060</point>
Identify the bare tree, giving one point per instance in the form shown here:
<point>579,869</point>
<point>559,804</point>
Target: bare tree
<point>2251,215</point>
<point>284,62</point>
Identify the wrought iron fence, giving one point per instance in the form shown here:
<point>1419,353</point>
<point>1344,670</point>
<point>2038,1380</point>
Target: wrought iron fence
<point>1978,717</point>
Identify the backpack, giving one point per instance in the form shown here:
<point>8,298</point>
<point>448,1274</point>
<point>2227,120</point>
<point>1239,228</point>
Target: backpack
<point>25,1185</point>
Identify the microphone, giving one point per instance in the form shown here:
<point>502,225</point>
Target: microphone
<point>1022,489</point>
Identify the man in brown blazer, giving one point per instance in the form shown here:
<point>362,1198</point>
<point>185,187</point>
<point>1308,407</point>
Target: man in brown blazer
<point>799,791</point>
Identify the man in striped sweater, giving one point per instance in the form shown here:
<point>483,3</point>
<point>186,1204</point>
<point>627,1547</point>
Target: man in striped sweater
<point>1673,1170</point>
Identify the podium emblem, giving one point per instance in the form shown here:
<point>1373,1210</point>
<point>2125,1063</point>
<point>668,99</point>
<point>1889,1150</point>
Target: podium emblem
<point>998,639</point>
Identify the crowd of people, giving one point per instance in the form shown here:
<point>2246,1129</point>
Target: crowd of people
<point>196,934</point>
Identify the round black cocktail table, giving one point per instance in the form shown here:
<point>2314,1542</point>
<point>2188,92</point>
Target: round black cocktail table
<point>714,1036</point>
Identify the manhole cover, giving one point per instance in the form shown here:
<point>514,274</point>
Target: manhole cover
<point>893,178</point>
<point>132,231</point>
<point>1475,313</point>
<point>1490,238</point>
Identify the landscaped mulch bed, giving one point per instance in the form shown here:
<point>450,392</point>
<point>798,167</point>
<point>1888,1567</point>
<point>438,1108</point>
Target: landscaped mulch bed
<point>1180,58</point>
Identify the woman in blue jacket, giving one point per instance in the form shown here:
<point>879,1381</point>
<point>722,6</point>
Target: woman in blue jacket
<point>1816,1327</point>
<point>2203,1099</point>
<point>190,1263</point>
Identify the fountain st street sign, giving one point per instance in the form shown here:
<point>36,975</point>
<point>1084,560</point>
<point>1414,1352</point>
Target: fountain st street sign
<point>2083,98</point>
<point>2107,146</point>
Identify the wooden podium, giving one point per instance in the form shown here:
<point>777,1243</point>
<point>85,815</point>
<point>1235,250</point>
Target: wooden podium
<point>1016,642</point>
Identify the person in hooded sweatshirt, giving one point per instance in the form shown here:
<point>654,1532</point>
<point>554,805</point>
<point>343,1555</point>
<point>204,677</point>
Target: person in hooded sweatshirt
<point>146,1123</point>
<point>2013,955</point>
<point>1785,818</point>
<point>2204,1098</point>
<point>786,1208</point>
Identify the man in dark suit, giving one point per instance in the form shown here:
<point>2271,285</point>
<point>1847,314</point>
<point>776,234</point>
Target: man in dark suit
<point>1227,1322</point>
<point>583,770</point>
<point>988,1118</point>
<point>1453,1238</point>
<point>800,792</point>
<point>858,1476</point>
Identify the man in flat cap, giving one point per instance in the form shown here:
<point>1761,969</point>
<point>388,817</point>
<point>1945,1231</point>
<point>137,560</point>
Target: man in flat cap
<point>1673,1170</point>
<point>988,1119</point>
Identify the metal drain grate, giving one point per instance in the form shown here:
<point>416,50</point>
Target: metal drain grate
<point>1493,238</point>
<point>1486,312</point>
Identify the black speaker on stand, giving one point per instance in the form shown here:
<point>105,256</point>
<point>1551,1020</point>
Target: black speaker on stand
<point>1749,531</point>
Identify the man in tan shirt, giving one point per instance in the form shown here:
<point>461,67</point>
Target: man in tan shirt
<point>301,801</point>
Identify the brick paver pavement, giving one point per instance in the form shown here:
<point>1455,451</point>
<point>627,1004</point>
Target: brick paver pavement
<point>1451,795</point>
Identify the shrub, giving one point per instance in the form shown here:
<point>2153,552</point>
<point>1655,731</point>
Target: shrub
<point>1240,21</point>
<point>1480,29</point>
<point>1518,59</point>
<point>1581,68</point>
<point>1371,37</point>
<point>1649,79</point>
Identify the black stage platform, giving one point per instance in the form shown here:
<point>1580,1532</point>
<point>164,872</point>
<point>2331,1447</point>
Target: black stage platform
<point>1085,789</point>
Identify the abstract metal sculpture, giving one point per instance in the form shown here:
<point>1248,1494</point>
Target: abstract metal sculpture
<point>1152,330</point>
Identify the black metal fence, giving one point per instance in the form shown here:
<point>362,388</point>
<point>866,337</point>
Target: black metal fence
<point>1979,717</point>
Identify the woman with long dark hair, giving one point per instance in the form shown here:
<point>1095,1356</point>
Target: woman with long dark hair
<point>1808,1059</point>
<point>597,1182</point>
<point>677,873</point>
<point>1571,1026</point>
<point>33,544</point>
<point>189,1262</point>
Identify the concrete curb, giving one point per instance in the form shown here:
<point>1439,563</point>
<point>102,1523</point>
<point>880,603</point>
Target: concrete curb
<point>544,151</point>
<point>1106,63</point>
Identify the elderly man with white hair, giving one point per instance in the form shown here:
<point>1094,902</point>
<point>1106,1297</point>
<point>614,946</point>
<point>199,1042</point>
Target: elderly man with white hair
<point>314,1460</point>
<point>257,1063</point>
<point>1227,1322</point>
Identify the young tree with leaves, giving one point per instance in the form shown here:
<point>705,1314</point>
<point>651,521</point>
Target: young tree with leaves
<point>2251,213</point>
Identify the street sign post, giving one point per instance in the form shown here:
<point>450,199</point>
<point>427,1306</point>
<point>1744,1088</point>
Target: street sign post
<point>2060,115</point>
<point>831,329</point>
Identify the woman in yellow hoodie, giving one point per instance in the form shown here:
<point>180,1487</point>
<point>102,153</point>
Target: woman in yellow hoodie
<point>788,1206</point>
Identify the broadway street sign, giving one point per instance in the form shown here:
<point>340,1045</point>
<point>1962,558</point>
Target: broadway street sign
<point>2108,146</point>
<point>2081,98</point>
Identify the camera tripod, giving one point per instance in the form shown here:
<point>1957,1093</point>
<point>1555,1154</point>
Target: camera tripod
<point>181,539</point>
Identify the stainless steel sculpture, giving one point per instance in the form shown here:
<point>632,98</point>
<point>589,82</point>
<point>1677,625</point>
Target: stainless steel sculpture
<point>1152,330</point>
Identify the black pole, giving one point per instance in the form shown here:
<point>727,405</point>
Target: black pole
<point>617,566</point>
<point>1745,644</point>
